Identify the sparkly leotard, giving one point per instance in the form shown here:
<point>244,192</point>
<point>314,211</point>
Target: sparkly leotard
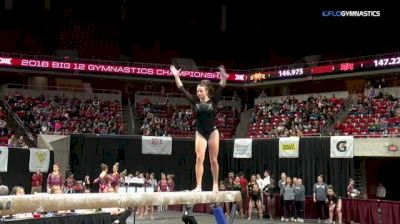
<point>205,112</point>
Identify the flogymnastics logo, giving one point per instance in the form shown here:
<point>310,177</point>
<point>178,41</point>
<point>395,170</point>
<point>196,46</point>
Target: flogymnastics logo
<point>351,13</point>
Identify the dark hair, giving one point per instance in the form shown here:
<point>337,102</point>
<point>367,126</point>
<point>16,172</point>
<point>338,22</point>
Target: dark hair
<point>103,167</point>
<point>291,181</point>
<point>330,187</point>
<point>207,85</point>
<point>272,181</point>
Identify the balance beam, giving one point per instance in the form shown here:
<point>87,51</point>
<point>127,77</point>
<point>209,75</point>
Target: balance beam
<point>10,205</point>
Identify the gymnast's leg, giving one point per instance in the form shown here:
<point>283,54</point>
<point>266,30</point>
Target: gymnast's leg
<point>213,146</point>
<point>200,148</point>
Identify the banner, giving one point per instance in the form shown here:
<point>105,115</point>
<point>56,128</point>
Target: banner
<point>289,147</point>
<point>342,147</point>
<point>242,148</point>
<point>3,158</point>
<point>156,145</point>
<point>143,71</point>
<point>39,160</point>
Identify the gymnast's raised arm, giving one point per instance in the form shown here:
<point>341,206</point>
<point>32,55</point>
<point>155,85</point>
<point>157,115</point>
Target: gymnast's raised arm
<point>179,84</point>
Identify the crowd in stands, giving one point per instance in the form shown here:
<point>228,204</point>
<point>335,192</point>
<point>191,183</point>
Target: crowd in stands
<point>5,131</point>
<point>292,117</point>
<point>15,142</point>
<point>375,113</point>
<point>167,119</point>
<point>62,115</point>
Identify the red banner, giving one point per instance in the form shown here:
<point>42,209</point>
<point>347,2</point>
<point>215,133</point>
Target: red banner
<point>114,69</point>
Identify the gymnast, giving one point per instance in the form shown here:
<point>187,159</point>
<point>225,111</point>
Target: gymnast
<point>206,132</point>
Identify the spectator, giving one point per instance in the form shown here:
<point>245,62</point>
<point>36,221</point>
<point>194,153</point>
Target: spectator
<point>281,185</point>
<point>3,128</point>
<point>21,142</point>
<point>381,191</point>
<point>288,192</point>
<point>17,190</point>
<point>351,191</point>
<point>68,115</point>
<point>3,190</point>
<point>12,142</point>
<point>299,201</point>
<point>37,181</point>
<point>262,94</point>
<point>3,114</point>
<point>320,191</point>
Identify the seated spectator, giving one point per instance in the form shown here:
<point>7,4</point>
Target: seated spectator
<point>18,191</point>
<point>3,114</point>
<point>3,190</point>
<point>262,94</point>
<point>12,142</point>
<point>3,128</point>
<point>292,117</point>
<point>68,115</point>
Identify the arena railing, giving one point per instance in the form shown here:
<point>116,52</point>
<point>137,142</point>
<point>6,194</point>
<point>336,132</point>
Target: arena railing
<point>131,115</point>
<point>313,135</point>
<point>74,92</point>
<point>19,121</point>
<point>179,99</point>
<point>61,88</point>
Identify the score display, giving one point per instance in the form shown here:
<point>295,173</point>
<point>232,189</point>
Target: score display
<point>243,76</point>
<point>345,67</point>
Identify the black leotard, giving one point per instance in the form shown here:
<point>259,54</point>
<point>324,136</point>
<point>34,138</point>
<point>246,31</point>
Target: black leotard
<point>205,112</point>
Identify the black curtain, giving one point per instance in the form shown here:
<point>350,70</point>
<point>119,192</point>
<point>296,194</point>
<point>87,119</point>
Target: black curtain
<point>88,151</point>
<point>18,170</point>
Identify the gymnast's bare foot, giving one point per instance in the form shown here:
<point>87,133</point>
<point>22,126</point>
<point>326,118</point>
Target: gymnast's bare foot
<point>197,189</point>
<point>215,188</point>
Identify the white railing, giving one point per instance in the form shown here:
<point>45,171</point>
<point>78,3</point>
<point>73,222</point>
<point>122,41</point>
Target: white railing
<point>179,99</point>
<point>131,114</point>
<point>45,141</point>
<point>72,92</point>
<point>61,88</point>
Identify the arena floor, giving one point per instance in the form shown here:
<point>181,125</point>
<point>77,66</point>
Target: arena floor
<point>172,217</point>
